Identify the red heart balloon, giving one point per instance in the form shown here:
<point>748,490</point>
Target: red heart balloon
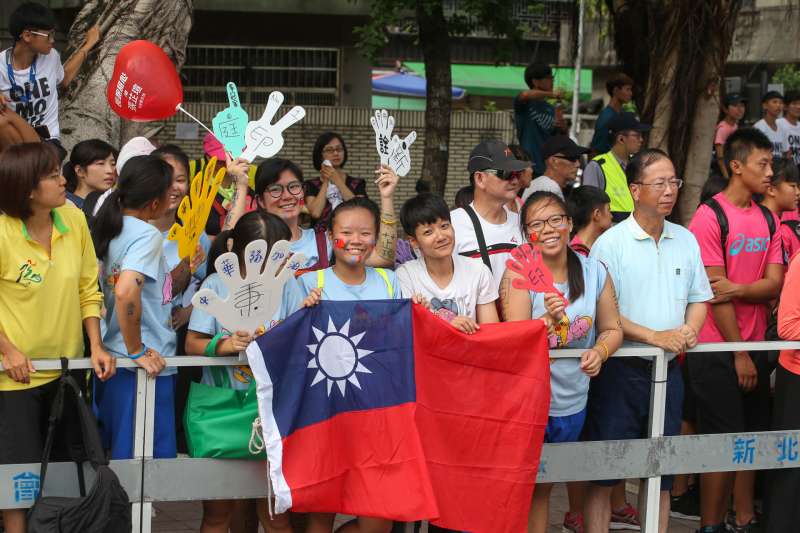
<point>145,85</point>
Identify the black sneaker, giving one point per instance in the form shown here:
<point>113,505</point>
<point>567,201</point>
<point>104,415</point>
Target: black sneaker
<point>687,505</point>
<point>753,526</point>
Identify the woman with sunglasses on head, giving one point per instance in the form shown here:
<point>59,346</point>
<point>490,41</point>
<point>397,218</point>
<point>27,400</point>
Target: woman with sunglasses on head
<point>334,185</point>
<point>584,315</point>
<point>562,160</point>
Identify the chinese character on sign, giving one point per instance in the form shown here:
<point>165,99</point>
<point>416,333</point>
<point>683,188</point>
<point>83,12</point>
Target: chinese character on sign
<point>744,451</point>
<point>26,487</point>
<point>246,298</point>
<point>787,448</point>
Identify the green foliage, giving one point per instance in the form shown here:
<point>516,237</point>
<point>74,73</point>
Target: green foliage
<point>490,106</point>
<point>492,17</point>
<point>789,76</point>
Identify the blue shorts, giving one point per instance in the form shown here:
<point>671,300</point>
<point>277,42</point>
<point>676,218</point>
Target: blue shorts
<point>114,403</point>
<point>619,405</point>
<point>564,428</point>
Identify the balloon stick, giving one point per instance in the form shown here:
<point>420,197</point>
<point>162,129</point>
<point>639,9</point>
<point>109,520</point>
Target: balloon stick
<point>179,107</point>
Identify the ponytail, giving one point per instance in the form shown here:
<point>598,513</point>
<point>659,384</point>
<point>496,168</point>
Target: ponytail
<point>71,176</point>
<point>107,223</point>
<point>144,178</point>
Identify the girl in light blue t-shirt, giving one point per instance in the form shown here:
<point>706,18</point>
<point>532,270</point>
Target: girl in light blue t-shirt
<point>137,290</point>
<point>207,336</point>
<point>590,321</point>
<point>354,227</point>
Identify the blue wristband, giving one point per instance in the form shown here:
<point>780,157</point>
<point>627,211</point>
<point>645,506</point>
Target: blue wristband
<point>134,357</point>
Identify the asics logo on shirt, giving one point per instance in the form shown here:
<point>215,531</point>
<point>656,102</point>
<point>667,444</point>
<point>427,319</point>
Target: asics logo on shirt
<point>751,245</point>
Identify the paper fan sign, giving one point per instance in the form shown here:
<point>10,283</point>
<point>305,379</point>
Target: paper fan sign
<point>527,262</point>
<point>230,123</point>
<point>252,299</point>
<point>195,208</point>
<point>393,151</point>
<point>265,139</point>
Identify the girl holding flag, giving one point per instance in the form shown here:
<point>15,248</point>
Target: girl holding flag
<point>354,228</point>
<point>585,317</point>
<point>207,336</point>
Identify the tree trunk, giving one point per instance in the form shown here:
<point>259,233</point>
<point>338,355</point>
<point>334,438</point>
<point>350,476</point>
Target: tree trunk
<point>435,43</point>
<point>676,51</point>
<point>85,113</point>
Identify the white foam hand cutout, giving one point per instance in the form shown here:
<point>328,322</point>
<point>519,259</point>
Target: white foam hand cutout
<point>383,124</point>
<point>400,154</point>
<point>265,139</point>
<point>252,300</point>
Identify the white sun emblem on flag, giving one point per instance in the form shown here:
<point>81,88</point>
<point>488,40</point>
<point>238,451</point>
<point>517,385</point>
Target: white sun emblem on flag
<point>337,357</point>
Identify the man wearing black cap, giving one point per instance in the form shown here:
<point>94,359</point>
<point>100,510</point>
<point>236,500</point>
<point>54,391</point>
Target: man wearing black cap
<point>562,158</point>
<point>607,171</point>
<point>534,117</point>
<point>486,229</point>
<point>733,107</point>
<point>791,123</point>
<point>772,104</point>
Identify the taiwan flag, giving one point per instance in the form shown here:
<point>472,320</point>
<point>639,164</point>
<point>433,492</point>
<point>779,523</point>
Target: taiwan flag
<point>379,408</point>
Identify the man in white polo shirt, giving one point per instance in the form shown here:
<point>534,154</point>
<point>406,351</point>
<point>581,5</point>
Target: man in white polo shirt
<point>661,287</point>
<point>486,230</point>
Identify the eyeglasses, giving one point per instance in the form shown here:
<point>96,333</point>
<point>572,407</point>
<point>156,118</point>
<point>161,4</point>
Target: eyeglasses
<point>555,222</point>
<point>276,189</point>
<point>51,35</point>
<point>333,150</point>
<point>502,174</point>
<point>660,185</point>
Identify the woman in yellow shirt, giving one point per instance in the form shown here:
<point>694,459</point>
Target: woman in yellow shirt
<point>48,287</point>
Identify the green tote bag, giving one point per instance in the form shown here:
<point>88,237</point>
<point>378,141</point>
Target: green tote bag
<point>219,420</point>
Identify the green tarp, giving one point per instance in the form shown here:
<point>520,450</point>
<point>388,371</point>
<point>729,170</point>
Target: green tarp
<point>505,80</point>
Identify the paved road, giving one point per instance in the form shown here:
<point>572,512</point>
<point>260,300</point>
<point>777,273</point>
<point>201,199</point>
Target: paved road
<point>182,517</point>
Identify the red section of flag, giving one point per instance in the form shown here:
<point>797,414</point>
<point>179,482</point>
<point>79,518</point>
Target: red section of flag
<point>382,473</point>
<point>482,406</point>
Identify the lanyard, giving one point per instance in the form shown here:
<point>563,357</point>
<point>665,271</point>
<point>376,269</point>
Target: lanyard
<point>24,95</point>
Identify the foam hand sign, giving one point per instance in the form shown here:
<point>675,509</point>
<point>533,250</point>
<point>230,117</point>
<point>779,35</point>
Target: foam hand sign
<point>527,262</point>
<point>400,153</point>
<point>230,123</point>
<point>383,124</point>
<point>265,139</point>
<point>252,299</point>
<point>145,85</point>
<point>195,208</point>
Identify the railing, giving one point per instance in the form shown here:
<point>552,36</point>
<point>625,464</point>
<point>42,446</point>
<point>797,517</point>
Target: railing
<point>149,480</point>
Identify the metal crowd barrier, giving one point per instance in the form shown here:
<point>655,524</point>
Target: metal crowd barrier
<point>149,480</point>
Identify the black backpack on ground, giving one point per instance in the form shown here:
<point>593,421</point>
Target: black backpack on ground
<point>106,507</point>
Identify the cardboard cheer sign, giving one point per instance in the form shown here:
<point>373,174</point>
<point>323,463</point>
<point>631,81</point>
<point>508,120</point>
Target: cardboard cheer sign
<point>195,208</point>
<point>265,139</point>
<point>527,262</point>
<point>230,123</point>
<point>392,151</point>
<point>253,298</point>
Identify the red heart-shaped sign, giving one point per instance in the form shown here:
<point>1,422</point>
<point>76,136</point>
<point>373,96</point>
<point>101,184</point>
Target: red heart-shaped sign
<point>145,85</point>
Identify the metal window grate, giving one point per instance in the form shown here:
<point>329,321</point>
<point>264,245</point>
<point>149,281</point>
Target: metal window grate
<point>308,76</point>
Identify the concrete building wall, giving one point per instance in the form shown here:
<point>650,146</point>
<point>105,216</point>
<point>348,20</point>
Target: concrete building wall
<point>468,129</point>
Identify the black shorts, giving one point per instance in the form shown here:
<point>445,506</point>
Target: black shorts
<point>722,407</point>
<point>24,418</point>
<point>689,401</point>
<point>784,484</point>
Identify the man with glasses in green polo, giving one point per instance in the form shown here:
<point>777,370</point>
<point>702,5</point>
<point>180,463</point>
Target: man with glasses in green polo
<point>607,171</point>
<point>32,72</point>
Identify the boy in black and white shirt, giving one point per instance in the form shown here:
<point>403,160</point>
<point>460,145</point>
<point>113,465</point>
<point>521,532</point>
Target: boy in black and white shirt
<point>32,72</point>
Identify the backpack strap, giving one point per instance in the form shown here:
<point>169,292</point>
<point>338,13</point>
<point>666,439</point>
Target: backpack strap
<point>322,249</point>
<point>769,218</point>
<point>382,273</point>
<point>794,225</point>
<point>722,220</point>
<point>476,224</point>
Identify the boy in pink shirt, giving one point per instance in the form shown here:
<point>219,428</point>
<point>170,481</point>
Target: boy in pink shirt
<point>781,198</point>
<point>732,389</point>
